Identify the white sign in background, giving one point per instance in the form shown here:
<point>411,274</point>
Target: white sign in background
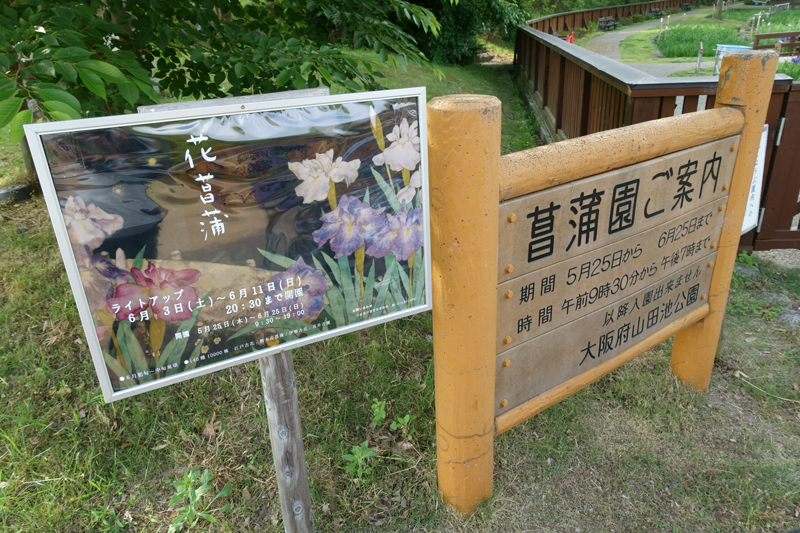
<point>752,210</point>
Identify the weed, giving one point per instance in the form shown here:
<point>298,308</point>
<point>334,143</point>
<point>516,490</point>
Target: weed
<point>357,460</point>
<point>746,259</point>
<point>106,520</point>
<point>378,412</point>
<point>193,511</point>
<point>402,423</point>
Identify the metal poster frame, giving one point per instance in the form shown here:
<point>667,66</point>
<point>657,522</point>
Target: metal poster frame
<point>35,132</point>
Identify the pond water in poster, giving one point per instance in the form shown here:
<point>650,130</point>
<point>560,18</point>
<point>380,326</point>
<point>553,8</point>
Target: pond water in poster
<point>204,239</point>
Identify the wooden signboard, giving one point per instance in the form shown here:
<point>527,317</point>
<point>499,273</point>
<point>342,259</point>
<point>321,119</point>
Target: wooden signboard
<point>585,254</point>
<point>539,365</point>
<point>543,229</point>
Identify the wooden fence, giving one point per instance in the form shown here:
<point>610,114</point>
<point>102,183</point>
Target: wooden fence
<point>789,42</point>
<point>569,21</point>
<point>576,92</point>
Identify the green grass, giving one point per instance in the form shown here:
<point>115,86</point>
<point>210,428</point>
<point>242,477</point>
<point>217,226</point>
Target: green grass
<point>636,451</point>
<point>683,40</point>
<point>790,68</point>
<point>518,131</point>
<point>704,71</point>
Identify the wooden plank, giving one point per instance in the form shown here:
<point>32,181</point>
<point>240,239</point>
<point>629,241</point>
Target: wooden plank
<point>690,103</point>
<point>551,359</point>
<point>645,109</point>
<point>667,107</point>
<point>514,416</point>
<point>544,300</point>
<point>532,170</point>
<point>533,235</point>
<point>286,436</point>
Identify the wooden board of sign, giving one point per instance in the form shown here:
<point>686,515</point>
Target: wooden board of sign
<point>546,228</point>
<point>535,367</point>
<point>546,299</point>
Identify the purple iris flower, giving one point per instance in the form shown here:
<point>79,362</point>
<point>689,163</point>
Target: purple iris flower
<point>402,236</point>
<point>796,60</point>
<point>312,285</point>
<point>349,226</point>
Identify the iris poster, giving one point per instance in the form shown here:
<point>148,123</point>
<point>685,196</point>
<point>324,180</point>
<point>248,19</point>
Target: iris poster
<point>199,239</point>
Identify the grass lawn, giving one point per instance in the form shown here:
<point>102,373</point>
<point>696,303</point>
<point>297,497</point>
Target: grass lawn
<point>682,41</point>
<point>636,451</point>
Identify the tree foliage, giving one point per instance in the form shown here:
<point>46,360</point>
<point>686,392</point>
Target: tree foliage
<point>463,23</point>
<point>66,60</point>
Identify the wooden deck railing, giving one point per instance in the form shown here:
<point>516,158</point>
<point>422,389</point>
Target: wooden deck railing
<point>569,21</point>
<point>576,92</point>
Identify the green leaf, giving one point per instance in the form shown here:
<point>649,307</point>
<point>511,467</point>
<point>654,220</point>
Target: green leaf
<point>23,117</point>
<point>66,70</point>
<point>55,105</point>
<point>350,299</point>
<point>71,54</point>
<point>8,109</point>
<point>138,261</point>
<point>7,90</point>
<point>325,74</point>
<point>49,40</point>
<point>130,347</point>
<point>93,82</point>
<point>387,190</point>
<point>128,90</point>
<point>383,290</point>
<point>419,277</point>
<point>43,68</point>
<point>148,91</point>
<point>277,259</point>
<point>238,68</point>
<point>107,71</point>
<point>225,491</point>
<point>58,115</point>
<point>282,78</point>
<point>58,95</point>
<point>370,282</point>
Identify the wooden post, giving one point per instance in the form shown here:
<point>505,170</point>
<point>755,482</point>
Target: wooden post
<point>699,59</point>
<point>464,155</point>
<point>283,415</point>
<point>745,83</point>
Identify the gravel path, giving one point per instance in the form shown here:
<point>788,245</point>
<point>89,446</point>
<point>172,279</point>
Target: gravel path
<point>608,44</point>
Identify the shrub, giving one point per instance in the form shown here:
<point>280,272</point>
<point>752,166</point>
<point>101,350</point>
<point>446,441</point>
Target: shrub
<point>626,20</point>
<point>461,24</point>
<point>638,17</point>
<point>592,26</point>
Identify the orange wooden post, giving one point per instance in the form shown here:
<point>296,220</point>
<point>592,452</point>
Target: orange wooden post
<point>745,83</point>
<point>464,156</point>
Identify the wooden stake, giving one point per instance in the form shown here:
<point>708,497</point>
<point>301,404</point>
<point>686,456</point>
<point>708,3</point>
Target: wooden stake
<point>745,83</point>
<point>699,58</point>
<point>286,436</point>
<point>464,155</point>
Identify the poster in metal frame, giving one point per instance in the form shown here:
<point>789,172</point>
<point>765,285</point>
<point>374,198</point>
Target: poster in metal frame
<point>199,239</point>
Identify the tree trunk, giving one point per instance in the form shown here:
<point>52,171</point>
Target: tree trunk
<point>718,11</point>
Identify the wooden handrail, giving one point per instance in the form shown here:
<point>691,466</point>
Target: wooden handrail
<point>532,170</point>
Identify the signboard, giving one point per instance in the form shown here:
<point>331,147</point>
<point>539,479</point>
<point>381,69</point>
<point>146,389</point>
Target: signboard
<point>752,211</point>
<point>533,368</point>
<point>198,239</point>
<point>542,229</point>
<point>589,268</point>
